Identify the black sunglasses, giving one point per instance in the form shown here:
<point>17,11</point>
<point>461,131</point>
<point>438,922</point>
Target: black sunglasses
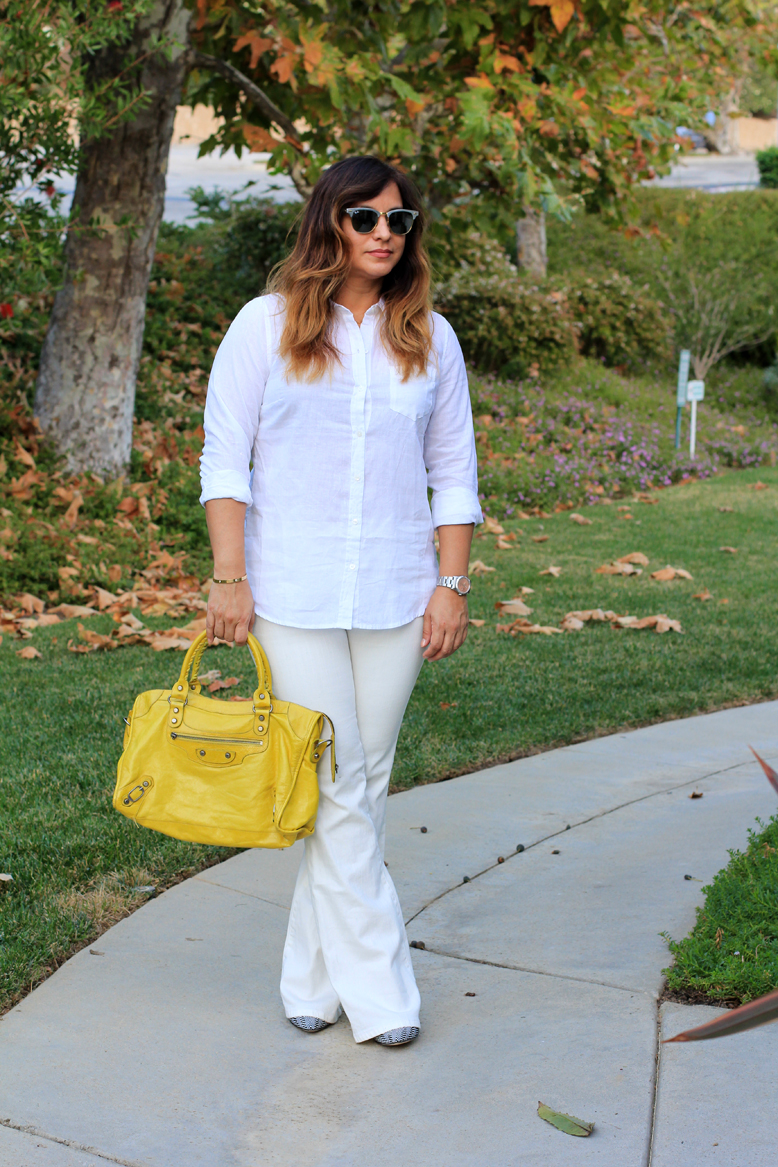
<point>365,219</point>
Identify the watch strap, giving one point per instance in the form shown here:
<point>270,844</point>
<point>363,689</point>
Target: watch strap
<point>451,581</point>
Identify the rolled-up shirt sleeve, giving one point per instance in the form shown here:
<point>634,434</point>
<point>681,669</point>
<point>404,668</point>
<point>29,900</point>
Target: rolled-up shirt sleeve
<point>449,442</point>
<point>235,390</point>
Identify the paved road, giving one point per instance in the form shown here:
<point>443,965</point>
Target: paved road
<point>713,172</point>
<point>539,980</point>
<point>231,174</point>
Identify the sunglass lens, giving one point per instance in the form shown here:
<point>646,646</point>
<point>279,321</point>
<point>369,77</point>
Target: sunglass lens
<point>400,222</point>
<point>364,220</point>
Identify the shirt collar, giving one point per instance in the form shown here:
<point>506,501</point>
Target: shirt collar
<point>372,311</point>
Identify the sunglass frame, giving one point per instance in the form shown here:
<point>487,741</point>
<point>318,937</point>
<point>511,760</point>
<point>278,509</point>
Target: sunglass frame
<point>351,211</point>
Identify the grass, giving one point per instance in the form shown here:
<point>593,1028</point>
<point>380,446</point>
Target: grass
<point>731,954</point>
<point>77,864</point>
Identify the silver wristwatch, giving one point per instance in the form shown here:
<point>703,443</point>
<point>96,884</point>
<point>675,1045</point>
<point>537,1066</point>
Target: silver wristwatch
<point>458,583</point>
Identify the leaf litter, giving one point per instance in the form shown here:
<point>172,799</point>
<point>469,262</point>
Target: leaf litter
<point>188,597</point>
<point>576,621</point>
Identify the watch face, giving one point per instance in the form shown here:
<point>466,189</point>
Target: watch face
<point>463,585</point>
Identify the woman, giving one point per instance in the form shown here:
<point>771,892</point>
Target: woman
<point>350,398</point>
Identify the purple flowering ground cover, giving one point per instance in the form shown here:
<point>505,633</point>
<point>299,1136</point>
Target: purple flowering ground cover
<point>576,437</point>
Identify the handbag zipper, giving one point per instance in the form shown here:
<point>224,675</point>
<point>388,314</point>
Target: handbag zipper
<point>227,741</point>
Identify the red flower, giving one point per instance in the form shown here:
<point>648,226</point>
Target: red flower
<point>6,311</point>
<point>50,190</point>
<point>115,6</point>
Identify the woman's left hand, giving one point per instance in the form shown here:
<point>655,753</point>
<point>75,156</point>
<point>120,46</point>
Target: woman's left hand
<point>445,624</point>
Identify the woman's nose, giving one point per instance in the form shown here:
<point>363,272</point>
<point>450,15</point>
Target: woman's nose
<point>382,228</point>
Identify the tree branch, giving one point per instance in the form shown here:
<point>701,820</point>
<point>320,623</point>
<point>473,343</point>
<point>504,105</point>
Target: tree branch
<point>254,94</point>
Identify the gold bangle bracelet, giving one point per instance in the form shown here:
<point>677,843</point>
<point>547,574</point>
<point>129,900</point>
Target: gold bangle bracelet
<point>240,579</point>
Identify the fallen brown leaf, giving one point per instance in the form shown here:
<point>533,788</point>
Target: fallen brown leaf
<point>514,607</point>
<point>731,550</point>
<point>618,568</point>
<point>553,571</point>
<point>665,574</point>
<point>634,557</point>
<point>478,567</point>
<point>162,641</point>
<point>703,595</point>
<point>759,486</point>
<point>476,623</point>
<point>28,653</point>
<point>540,538</point>
<point>523,627</point>
<point>448,705</point>
<point>726,510</point>
<point>580,520</point>
<point>492,526</point>
<point>104,599</point>
<point>129,620</point>
<point>95,638</point>
<point>505,543</point>
<point>71,514</point>
<point>527,591</point>
<point>71,611</point>
<point>227,683</point>
<point>29,604</point>
<point>661,623</point>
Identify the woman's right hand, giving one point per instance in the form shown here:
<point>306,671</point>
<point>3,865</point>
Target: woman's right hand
<point>230,613</point>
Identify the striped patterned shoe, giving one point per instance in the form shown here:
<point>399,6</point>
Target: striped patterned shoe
<point>398,1036</point>
<point>310,1024</point>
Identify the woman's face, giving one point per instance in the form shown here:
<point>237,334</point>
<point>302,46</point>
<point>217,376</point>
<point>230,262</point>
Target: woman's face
<point>373,256</point>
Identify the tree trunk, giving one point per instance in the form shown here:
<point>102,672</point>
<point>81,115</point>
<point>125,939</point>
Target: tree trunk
<point>89,362</point>
<point>531,243</point>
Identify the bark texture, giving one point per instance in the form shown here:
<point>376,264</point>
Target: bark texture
<point>89,361</point>
<point>531,242</point>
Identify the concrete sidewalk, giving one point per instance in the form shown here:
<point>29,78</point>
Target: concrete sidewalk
<point>539,981</point>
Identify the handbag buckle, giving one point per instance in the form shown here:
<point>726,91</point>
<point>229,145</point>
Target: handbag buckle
<point>141,790</point>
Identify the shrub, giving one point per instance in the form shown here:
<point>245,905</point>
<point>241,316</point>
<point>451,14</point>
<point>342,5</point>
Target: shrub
<point>506,325</point>
<point>248,237</point>
<point>767,161</point>
<point>620,323</point>
<point>674,232</point>
<point>503,324</point>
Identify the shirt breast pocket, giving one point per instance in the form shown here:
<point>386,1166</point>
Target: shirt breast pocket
<point>413,398</point>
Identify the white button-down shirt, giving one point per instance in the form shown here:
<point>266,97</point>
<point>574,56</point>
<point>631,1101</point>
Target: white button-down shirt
<point>339,530</point>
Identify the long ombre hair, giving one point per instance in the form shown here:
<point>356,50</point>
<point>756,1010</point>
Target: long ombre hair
<point>312,275</point>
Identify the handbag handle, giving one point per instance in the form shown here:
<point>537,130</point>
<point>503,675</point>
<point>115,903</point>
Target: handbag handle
<point>188,678</point>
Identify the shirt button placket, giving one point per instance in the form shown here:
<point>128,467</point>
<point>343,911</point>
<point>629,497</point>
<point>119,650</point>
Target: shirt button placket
<point>356,494</point>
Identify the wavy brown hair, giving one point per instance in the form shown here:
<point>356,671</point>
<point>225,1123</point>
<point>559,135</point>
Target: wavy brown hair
<point>312,275</point>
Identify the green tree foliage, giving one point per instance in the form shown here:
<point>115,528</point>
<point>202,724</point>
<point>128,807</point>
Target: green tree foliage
<point>45,50</point>
<point>541,101</point>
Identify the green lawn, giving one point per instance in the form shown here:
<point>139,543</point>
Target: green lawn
<point>75,862</point>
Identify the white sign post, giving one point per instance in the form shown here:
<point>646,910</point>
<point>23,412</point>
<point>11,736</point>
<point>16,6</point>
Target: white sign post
<point>680,396</point>
<point>695,391</point>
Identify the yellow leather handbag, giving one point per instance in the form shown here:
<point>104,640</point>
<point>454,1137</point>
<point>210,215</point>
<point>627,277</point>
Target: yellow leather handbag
<point>237,773</point>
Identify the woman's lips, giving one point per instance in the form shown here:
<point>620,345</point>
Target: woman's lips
<point>380,253</point>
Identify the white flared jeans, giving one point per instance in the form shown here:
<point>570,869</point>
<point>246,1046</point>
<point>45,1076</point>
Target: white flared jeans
<point>346,945</point>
